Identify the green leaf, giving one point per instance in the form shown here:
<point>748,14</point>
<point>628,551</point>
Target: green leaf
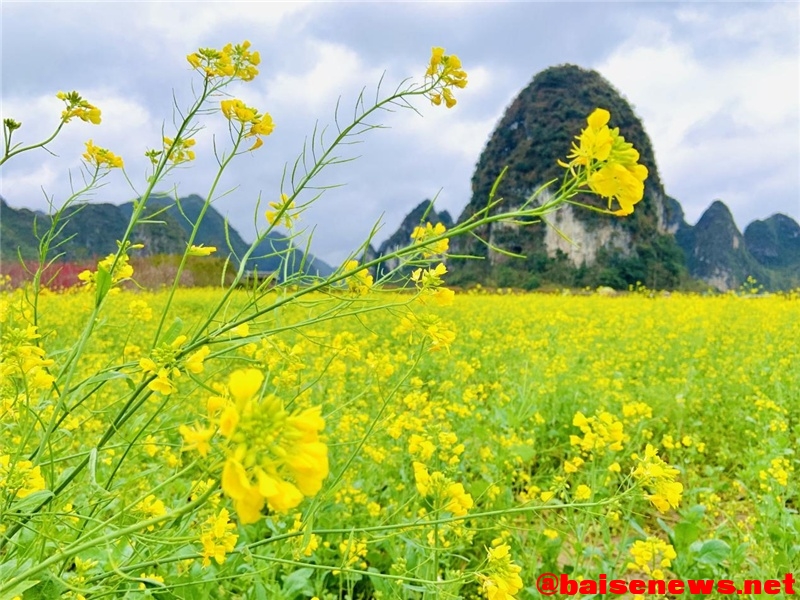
<point>18,589</point>
<point>712,552</point>
<point>663,524</point>
<point>173,331</point>
<point>103,280</point>
<point>525,452</point>
<point>298,582</point>
<point>685,534</point>
<point>107,376</point>
<point>637,528</point>
<point>31,501</point>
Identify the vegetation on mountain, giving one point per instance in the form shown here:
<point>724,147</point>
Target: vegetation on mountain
<point>535,132</point>
<point>92,230</point>
<point>774,242</point>
<point>715,250</point>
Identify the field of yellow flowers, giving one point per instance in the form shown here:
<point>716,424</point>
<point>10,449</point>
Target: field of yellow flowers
<point>630,435</point>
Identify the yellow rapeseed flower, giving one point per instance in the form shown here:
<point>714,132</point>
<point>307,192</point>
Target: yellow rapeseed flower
<point>196,439</point>
<point>502,579</point>
<point>260,125</point>
<point>651,556</point>
<point>287,216</point>
<point>594,142</point>
<point>232,61</point>
<point>360,282</point>
<point>428,231</point>
<point>194,362</point>
<point>659,477</point>
<point>201,250</point>
<point>178,150</point>
<point>583,492</point>
<point>445,73</point>
<point>78,107</point>
<point>21,478</point>
<point>100,157</point>
<point>605,162</point>
<point>273,458</point>
<point>217,538</point>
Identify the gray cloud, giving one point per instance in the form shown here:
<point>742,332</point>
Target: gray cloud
<point>716,84</point>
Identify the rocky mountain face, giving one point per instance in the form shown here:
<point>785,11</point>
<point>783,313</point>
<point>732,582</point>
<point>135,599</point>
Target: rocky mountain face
<point>579,247</point>
<point>774,242</point>
<point>91,231</point>
<point>715,250</point>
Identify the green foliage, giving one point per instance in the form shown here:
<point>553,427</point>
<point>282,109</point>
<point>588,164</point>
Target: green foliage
<point>90,231</point>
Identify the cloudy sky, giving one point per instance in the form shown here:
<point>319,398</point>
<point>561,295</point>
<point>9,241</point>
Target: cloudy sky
<point>717,86</point>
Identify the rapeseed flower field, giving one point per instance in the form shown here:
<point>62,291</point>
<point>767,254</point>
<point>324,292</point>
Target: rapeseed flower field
<point>594,434</point>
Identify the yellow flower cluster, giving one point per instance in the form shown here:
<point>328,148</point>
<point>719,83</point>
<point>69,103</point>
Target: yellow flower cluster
<point>429,282</point>
<point>502,579</point>
<point>78,107</point>
<point>440,334</point>
<point>779,469</point>
<point>651,556</point>
<point>151,507</point>
<point>445,494</point>
<point>446,73</point>
<point>100,157</point>
<point>599,432</point>
<point>151,579</point>
<point>353,553</point>
<point>201,250</point>
<point>288,217</point>
<point>163,363</point>
<point>232,61</point>
<point>20,478</point>
<point>420,446</point>
<point>610,164</point>
<point>178,150</point>
<point>216,537</point>
<point>427,278</point>
<point>306,544</point>
<point>421,234</point>
<point>122,271</point>
<point>20,356</point>
<point>360,282</point>
<point>272,457</point>
<point>659,477</point>
<point>236,110</point>
<point>583,492</point>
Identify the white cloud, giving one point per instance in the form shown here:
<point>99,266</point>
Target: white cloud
<point>678,91</point>
<point>189,25</point>
<point>125,126</point>
<point>331,70</point>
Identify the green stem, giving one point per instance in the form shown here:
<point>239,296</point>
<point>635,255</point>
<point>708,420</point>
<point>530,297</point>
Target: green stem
<point>78,547</point>
<point>193,235</point>
<point>376,529</point>
<point>11,153</point>
<point>320,164</point>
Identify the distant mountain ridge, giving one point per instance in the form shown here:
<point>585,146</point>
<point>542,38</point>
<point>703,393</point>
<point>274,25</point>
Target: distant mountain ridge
<point>95,228</point>
<point>654,245</point>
